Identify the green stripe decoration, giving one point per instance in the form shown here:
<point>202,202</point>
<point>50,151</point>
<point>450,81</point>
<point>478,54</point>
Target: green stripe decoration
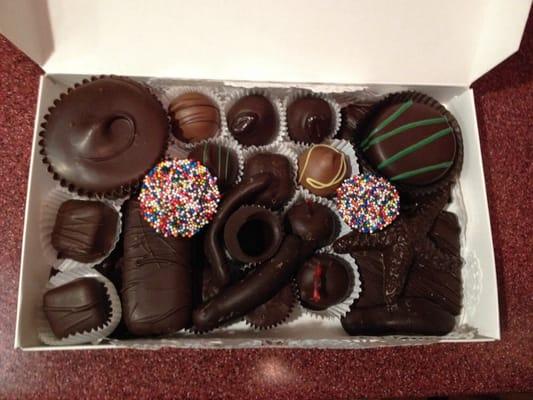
<point>403,128</point>
<point>414,147</point>
<point>388,120</point>
<point>420,171</point>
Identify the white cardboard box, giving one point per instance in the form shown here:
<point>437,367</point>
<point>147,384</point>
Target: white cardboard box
<point>436,47</point>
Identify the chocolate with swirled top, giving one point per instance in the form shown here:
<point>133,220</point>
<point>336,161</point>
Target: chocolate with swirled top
<point>252,121</point>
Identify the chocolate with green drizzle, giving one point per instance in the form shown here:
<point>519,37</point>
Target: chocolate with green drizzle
<point>221,161</point>
<point>410,143</point>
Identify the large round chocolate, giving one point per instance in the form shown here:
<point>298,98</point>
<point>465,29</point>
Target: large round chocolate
<point>322,168</point>
<point>195,117</point>
<point>252,234</point>
<point>252,121</point>
<point>410,143</point>
<point>323,281</point>
<point>281,188</point>
<point>221,162</point>
<point>309,120</point>
<point>104,135</point>
<point>313,222</point>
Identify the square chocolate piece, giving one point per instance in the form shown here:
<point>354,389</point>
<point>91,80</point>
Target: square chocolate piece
<point>78,306</point>
<point>84,230</point>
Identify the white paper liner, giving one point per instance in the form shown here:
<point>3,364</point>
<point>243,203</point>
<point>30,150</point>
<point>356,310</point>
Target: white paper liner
<point>338,311</point>
<point>49,209</point>
<point>170,93</point>
<point>333,105</point>
<point>237,94</point>
<point>95,335</point>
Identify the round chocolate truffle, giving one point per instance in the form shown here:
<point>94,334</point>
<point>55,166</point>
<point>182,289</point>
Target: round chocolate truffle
<point>252,121</point>
<point>281,188</point>
<point>195,117</point>
<point>322,168</point>
<point>220,161</point>
<point>309,120</point>
<point>323,281</point>
<point>313,222</point>
<point>409,142</point>
<point>273,312</point>
<point>252,234</point>
<point>103,136</point>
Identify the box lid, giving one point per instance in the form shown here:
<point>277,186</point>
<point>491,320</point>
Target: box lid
<point>449,42</point>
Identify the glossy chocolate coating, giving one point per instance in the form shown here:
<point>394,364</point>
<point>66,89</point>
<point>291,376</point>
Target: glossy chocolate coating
<point>104,135</point>
<point>252,120</point>
<point>409,143</point>
<point>78,306</point>
<point>313,222</point>
<point>156,278</point>
<point>281,188</point>
<point>309,120</point>
<point>322,168</point>
<point>221,162</point>
<point>323,280</point>
<point>252,234</point>
<point>446,233</point>
<point>195,117</point>
<point>274,311</point>
<point>84,230</point>
<point>351,116</point>
<point>408,317</point>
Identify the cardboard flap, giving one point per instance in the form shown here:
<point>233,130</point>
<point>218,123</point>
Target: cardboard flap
<point>346,41</point>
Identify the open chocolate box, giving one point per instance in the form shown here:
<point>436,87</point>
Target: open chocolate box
<point>350,50</point>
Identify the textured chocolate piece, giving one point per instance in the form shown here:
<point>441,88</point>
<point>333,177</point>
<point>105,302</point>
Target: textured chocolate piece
<point>309,120</point>
<point>84,230</point>
<point>252,120</point>
<point>409,142</point>
<point>194,116</point>
<point>221,162</point>
<point>275,311</point>
<point>156,278</point>
<point>322,168</point>
<point>313,222</point>
<point>281,188</point>
<point>371,266</point>
<point>103,135</point>
<point>351,116</point>
<point>407,317</point>
<point>76,307</point>
<point>323,281</point>
<point>252,234</point>
<point>446,233</point>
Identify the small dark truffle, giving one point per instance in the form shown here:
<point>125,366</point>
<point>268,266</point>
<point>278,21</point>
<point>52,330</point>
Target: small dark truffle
<point>313,222</point>
<point>76,307</point>
<point>323,281</point>
<point>252,121</point>
<point>281,188</point>
<point>84,230</point>
<point>252,234</point>
<point>195,117</point>
<point>309,120</point>
<point>275,311</point>
<point>221,162</point>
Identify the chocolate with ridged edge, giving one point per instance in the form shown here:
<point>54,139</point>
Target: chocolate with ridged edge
<point>309,120</point>
<point>313,222</point>
<point>84,230</point>
<point>221,161</point>
<point>194,116</point>
<point>156,278</point>
<point>78,306</point>
<point>103,136</point>
<point>252,120</point>
<point>275,311</point>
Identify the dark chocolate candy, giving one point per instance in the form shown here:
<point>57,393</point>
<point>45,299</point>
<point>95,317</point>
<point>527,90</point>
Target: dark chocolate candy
<point>371,267</point>
<point>313,222</point>
<point>410,316</point>
<point>156,278</point>
<point>281,188</point>
<point>252,121</point>
<point>446,233</point>
<point>77,306</point>
<point>221,162</point>
<point>351,115</point>
<point>275,311</point>
<point>103,135</point>
<point>322,168</point>
<point>309,120</point>
<point>323,281</point>
<point>252,234</point>
<point>84,230</point>
<point>410,143</point>
<point>195,117</point>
